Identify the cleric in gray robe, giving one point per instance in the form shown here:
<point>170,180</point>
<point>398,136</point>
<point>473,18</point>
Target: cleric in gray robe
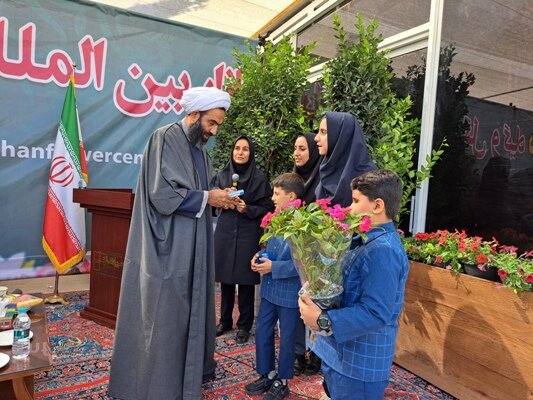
<point>165,331</point>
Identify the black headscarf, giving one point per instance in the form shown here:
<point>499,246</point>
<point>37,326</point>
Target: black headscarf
<point>309,171</point>
<point>347,158</point>
<point>250,178</point>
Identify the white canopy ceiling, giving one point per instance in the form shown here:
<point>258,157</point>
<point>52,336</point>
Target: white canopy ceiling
<point>238,17</point>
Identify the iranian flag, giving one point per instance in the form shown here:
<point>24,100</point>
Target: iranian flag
<point>64,221</point>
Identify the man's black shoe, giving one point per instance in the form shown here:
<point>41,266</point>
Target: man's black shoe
<point>313,364</point>
<point>259,386</point>
<point>242,336</point>
<point>221,329</point>
<point>277,391</point>
<point>299,364</point>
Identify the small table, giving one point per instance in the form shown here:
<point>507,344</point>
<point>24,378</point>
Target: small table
<point>16,378</point>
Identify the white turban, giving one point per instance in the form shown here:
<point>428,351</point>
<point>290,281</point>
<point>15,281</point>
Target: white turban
<point>203,99</point>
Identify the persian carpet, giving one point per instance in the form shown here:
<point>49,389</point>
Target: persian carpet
<point>82,351</point>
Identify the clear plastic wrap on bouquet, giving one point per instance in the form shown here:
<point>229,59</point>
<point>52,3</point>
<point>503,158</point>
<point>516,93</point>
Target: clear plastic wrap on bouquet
<point>321,266</point>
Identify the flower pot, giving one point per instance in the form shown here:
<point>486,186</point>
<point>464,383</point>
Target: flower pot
<point>504,281</point>
<point>490,273</point>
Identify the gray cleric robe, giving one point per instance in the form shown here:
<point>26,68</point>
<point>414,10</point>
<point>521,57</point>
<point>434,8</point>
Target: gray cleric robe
<point>165,332</point>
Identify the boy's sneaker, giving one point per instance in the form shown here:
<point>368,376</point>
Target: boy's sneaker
<point>277,391</point>
<point>259,386</point>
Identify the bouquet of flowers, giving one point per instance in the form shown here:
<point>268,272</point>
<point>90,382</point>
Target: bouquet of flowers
<point>319,236</point>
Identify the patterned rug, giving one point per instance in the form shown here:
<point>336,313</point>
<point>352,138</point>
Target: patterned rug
<point>82,351</point>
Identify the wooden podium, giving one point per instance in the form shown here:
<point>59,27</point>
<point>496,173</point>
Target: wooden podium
<point>111,216</point>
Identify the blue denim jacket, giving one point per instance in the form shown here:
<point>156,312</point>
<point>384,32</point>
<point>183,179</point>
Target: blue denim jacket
<point>366,324</point>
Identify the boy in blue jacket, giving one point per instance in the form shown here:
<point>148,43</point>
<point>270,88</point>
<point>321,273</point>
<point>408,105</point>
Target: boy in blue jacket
<point>357,356</point>
<point>279,302</point>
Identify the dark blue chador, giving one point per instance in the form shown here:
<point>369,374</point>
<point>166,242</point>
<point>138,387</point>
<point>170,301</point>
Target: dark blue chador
<point>347,158</point>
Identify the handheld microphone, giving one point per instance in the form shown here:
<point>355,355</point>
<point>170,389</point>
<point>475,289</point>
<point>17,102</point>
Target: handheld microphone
<point>234,180</point>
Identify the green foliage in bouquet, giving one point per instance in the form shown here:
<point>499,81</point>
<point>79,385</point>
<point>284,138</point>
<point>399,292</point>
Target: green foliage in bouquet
<point>319,236</point>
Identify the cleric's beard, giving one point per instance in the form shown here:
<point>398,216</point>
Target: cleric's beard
<point>196,132</point>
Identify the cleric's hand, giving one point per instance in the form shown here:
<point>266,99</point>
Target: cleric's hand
<point>221,199</point>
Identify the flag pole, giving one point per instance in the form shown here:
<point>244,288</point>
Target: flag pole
<point>56,298</point>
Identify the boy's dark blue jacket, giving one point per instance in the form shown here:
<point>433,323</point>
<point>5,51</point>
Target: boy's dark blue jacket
<point>366,324</point>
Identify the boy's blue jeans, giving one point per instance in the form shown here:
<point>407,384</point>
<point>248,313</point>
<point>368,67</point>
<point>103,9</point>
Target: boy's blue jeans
<point>341,387</point>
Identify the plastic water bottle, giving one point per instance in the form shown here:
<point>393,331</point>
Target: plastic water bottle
<point>21,335</point>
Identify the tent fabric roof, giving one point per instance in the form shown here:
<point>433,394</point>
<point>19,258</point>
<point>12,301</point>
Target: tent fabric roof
<point>237,17</point>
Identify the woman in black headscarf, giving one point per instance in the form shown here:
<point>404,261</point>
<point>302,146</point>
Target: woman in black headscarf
<point>237,237</point>
<point>341,141</point>
<point>306,164</point>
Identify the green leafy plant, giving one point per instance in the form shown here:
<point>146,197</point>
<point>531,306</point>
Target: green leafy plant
<point>453,249</point>
<point>516,272</point>
<point>266,104</point>
<point>319,235</point>
<point>358,80</point>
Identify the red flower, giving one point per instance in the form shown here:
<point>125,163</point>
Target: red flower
<point>502,273</point>
<point>529,278</point>
<point>438,259</point>
<point>481,259</point>
<point>421,236</point>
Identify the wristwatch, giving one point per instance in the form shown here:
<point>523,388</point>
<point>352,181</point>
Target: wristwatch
<point>323,321</point>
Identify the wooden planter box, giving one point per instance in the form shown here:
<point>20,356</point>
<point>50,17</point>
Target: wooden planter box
<point>466,335</point>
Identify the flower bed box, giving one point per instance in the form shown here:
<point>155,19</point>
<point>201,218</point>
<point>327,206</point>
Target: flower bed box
<point>466,335</point>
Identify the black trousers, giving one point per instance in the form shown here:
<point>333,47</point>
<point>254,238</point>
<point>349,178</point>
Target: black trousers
<point>246,301</point>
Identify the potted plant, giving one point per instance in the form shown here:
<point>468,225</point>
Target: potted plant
<point>516,272</point>
<point>477,256</point>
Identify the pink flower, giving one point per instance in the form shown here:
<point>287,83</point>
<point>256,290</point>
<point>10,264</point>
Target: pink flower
<point>266,219</point>
<point>337,212</point>
<point>366,222</point>
<point>323,203</point>
<point>438,259</point>
<point>296,204</point>
<point>448,267</point>
<point>508,249</point>
<point>345,227</point>
<point>529,254</point>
